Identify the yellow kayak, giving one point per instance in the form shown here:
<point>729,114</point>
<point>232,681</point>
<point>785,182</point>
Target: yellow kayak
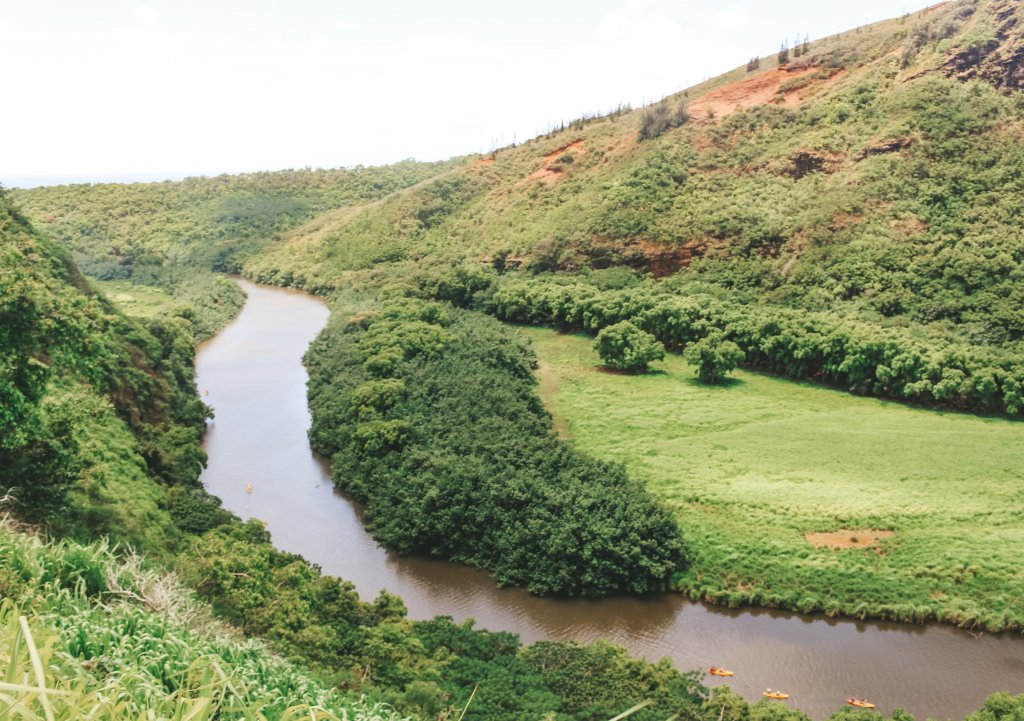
<point>774,694</point>
<point>860,703</point>
<point>716,671</point>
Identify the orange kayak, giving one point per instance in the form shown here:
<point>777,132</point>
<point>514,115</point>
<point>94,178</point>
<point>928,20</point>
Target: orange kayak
<point>860,703</point>
<point>716,671</point>
<point>774,694</point>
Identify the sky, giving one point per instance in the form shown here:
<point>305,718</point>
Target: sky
<point>123,90</point>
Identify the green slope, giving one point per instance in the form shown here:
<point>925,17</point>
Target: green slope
<point>100,416</point>
<point>866,177</point>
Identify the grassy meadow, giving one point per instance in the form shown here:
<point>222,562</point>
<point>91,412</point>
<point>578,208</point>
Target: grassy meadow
<point>138,301</point>
<point>753,466</point>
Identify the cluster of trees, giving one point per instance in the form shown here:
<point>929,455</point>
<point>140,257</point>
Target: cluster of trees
<point>626,347</point>
<point>858,356</point>
<point>431,418</point>
<point>659,118</point>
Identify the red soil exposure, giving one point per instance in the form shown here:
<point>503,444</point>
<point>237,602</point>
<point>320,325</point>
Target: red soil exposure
<point>865,538</point>
<point>552,170</point>
<point>758,90</point>
<point>933,8</point>
<point>480,162</point>
<point>664,260</point>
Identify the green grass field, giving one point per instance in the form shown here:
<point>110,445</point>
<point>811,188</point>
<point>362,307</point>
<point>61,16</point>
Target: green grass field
<point>139,301</point>
<point>752,466</point>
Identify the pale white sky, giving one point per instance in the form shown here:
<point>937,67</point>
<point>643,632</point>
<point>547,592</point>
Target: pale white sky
<point>126,89</point>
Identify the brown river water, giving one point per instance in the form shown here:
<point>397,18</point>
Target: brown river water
<point>253,377</point>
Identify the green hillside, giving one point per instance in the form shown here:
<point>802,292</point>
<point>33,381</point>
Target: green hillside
<point>100,419</point>
<point>875,175</point>
<point>139,231</point>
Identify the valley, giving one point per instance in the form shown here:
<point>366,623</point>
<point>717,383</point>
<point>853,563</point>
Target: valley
<point>337,444</point>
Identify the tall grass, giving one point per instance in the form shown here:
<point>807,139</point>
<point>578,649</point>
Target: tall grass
<point>86,635</point>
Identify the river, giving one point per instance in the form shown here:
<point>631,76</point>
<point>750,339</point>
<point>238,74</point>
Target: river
<point>253,377</point>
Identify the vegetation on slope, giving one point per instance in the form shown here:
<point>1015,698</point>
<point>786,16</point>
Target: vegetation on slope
<point>117,641</point>
<point>100,415</point>
<point>139,231</point>
<point>171,235</point>
<point>852,182</point>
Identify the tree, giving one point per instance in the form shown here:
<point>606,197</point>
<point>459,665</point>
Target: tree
<point>627,347</point>
<point>714,356</point>
<point>783,56</point>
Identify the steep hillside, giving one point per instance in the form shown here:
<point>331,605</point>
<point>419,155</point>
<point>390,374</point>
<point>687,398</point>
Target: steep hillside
<point>875,174</point>
<point>100,416</point>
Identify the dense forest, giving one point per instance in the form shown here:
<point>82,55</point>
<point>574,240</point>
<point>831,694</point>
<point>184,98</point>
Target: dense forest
<point>429,416</point>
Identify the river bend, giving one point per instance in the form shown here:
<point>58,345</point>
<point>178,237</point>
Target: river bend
<point>252,375</point>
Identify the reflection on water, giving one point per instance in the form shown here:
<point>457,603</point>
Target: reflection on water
<point>256,385</point>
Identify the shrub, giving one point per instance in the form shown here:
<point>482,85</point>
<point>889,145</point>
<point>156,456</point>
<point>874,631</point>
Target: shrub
<point>714,357</point>
<point>626,347</point>
<point>661,117</point>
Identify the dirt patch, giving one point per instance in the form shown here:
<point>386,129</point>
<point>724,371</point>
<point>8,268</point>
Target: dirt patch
<point>758,90</point>
<point>575,146</point>
<point>882,147</point>
<point>934,8</point>
<point>844,538</point>
<point>808,160</point>
<point>548,385</point>
<point>664,260</point>
<point>555,162</point>
<point>908,226</point>
<point>482,162</point>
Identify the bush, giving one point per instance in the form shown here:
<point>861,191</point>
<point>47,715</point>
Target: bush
<point>714,357</point>
<point>626,347</point>
<point>661,117</point>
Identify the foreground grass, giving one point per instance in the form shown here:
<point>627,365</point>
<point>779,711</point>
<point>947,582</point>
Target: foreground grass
<point>85,634</point>
<point>752,466</point>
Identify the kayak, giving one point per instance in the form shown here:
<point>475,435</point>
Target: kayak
<point>774,694</point>
<point>716,671</point>
<point>860,703</point>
